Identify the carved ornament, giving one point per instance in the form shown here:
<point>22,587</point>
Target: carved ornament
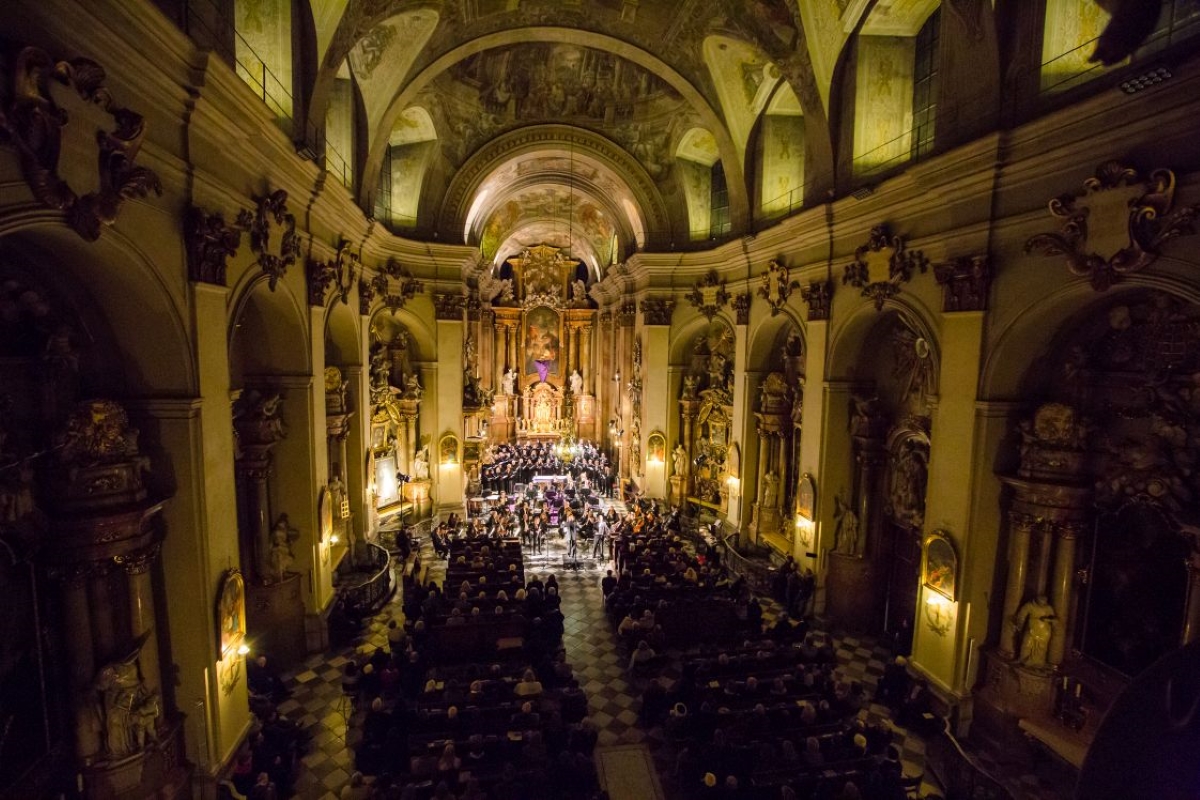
<point>449,307</point>
<point>709,296</point>
<point>818,296</point>
<point>210,243</point>
<point>1116,225</point>
<point>965,283</point>
<point>882,266</point>
<point>32,122</point>
<point>98,431</point>
<point>1053,444</point>
<point>776,286</point>
<point>338,274</point>
<point>272,209</point>
<point>627,314</point>
<point>741,308</point>
<point>257,418</point>
<point>657,310</point>
<point>393,284</point>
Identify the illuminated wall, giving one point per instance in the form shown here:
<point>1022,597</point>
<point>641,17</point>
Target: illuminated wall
<point>782,163</point>
<point>264,51</point>
<point>883,102</point>
<point>339,132</point>
<point>1071,27</point>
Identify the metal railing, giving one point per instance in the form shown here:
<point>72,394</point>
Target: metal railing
<point>375,590</point>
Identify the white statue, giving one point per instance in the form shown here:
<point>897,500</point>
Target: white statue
<point>129,709</point>
<point>770,495</point>
<point>421,464</point>
<point>510,382</point>
<point>576,383</point>
<point>280,557</point>
<point>846,534</point>
<point>681,460</point>
<point>1037,619</point>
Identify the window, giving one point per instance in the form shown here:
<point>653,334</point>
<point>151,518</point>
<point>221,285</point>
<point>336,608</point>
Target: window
<point>719,224</point>
<point>925,82</point>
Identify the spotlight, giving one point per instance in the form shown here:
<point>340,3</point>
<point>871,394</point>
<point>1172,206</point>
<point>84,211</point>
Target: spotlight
<point>243,650</point>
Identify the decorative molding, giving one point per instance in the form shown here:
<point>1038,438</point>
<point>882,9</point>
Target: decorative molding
<point>32,122</point>
<point>272,207</point>
<point>741,308</point>
<point>339,274</point>
<point>657,310</point>
<point>708,295</point>
<point>210,242</point>
<point>1116,225</point>
<point>474,307</point>
<point>882,265</point>
<point>449,307</point>
<point>627,314</point>
<point>965,282</point>
<point>776,287</point>
<point>393,284</point>
<point>819,298</point>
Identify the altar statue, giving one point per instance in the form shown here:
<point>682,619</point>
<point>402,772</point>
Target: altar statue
<point>1037,619</point>
<point>128,709</point>
<point>509,382</point>
<point>576,383</point>
<point>679,455</point>
<point>280,558</point>
<point>421,464</point>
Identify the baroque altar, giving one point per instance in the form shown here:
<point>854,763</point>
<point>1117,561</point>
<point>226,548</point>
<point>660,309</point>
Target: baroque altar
<point>541,353</point>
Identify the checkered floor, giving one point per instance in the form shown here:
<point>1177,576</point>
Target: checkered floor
<point>614,696</point>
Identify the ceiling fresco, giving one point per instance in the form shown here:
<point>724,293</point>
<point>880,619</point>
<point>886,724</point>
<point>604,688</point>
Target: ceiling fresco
<point>676,86</point>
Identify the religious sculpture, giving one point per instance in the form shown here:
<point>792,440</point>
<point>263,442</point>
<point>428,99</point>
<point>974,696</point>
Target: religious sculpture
<point>908,487</point>
<point>576,383</point>
<point>510,382</point>
<point>579,298</point>
<point>770,494</point>
<point>470,357</point>
<point>128,709</point>
<point>280,558</point>
<point>679,455</point>
<point>421,464</point>
<point>846,534</point>
<point>689,387</point>
<point>1038,620</point>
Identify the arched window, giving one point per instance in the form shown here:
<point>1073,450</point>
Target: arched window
<point>895,93</point>
<point>263,50</point>
<point>339,129</point>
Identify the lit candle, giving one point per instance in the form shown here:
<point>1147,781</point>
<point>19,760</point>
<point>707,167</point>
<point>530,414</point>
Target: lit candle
<point>1078,689</point>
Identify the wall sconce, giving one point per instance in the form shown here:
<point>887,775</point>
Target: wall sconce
<point>734,485</point>
<point>243,650</point>
<point>333,539</point>
<point>937,613</point>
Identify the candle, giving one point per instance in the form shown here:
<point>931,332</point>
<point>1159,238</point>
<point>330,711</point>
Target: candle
<point>1078,689</point>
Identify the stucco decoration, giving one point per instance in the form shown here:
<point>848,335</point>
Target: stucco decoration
<point>709,295</point>
<point>32,121</point>
<point>272,212</point>
<point>1116,225</point>
<point>882,266</point>
<point>339,274</point>
<point>392,283</point>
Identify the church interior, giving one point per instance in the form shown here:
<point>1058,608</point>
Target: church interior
<point>708,398</point>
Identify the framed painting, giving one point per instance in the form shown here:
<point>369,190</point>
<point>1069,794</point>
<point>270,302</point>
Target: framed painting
<point>448,449</point>
<point>940,568</point>
<point>231,613</point>
<point>806,497</point>
<point>541,341</point>
<point>386,483</point>
<point>656,448</point>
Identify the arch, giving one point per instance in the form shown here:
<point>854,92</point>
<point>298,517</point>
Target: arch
<point>847,340</point>
<point>1005,367</point>
<point>584,146</point>
<point>342,334</point>
<point>685,336</point>
<point>738,198</point>
<point>764,339</point>
<point>422,336</point>
<point>118,279</point>
<point>268,332</point>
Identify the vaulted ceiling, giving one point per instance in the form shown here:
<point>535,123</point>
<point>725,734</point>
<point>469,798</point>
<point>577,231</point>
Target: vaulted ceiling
<point>565,121</point>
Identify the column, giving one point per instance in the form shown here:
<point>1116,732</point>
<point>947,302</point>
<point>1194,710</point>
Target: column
<point>141,614</point>
<point>1020,526</point>
<point>100,606</point>
<point>410,438</point>
<point>81,660</point>
<point>764,455</point>
<point>870,455</point>
<point>585,338</point>
<point>1191,620</point>
<point>1042,578</point>
<point>1060,589</point>
<point>499,355</point>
